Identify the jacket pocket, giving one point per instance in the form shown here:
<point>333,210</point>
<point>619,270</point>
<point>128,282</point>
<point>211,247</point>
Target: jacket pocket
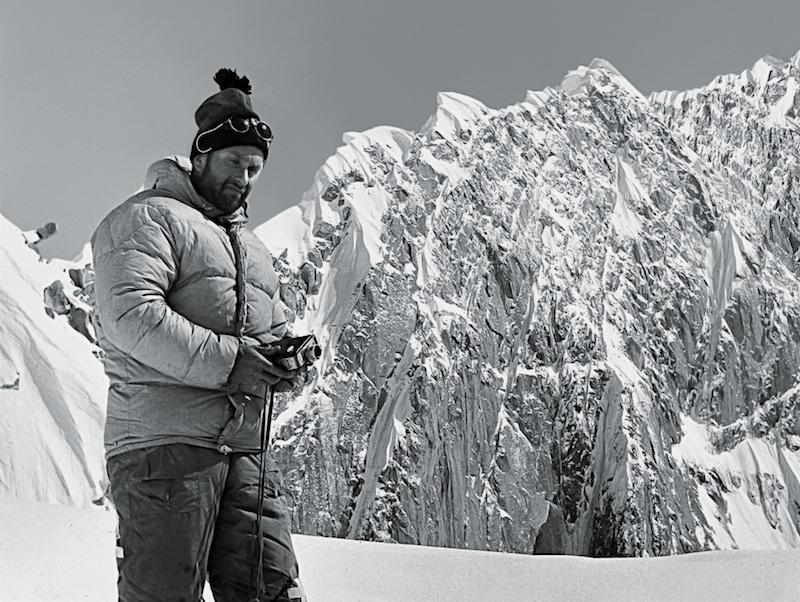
<point>243,430</point>
<point>273,484</point>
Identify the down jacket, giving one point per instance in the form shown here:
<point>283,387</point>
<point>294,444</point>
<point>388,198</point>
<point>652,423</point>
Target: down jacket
<point>166,316</point>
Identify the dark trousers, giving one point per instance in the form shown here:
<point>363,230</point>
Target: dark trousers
<point>187,514</point>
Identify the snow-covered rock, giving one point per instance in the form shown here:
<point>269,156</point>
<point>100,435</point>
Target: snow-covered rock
<point>556,318</point>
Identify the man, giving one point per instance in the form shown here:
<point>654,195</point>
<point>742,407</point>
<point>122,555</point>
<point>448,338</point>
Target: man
<point>187,306</point>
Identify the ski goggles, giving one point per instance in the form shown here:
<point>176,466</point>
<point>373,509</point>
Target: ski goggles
<point>235,125</point>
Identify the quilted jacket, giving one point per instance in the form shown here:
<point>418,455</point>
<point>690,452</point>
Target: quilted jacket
<point>166,315</point>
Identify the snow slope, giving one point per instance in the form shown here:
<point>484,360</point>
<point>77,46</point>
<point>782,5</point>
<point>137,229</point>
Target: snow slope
<point>57,553</point>
<point>52,387</point>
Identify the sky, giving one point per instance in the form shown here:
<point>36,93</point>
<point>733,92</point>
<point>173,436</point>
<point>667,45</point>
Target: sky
<point>93,91</point>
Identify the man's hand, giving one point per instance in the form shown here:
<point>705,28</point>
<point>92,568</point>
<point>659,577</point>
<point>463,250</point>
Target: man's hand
<point>285,384</point>
<point>252,373</point>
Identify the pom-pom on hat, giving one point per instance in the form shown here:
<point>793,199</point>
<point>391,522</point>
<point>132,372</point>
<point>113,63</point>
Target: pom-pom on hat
<point>233,100</point>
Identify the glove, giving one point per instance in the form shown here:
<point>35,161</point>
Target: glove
<point>253,373</point>
<point>286,383</point>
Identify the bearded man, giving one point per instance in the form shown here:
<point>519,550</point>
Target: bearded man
<point>187,310</point>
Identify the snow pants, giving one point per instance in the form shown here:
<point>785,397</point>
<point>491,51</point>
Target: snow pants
<point>188,513</point>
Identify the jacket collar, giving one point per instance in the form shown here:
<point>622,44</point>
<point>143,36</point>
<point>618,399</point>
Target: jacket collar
<point>172,175</point>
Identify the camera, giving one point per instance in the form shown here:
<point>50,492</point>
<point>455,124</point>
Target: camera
<point>293,353</point>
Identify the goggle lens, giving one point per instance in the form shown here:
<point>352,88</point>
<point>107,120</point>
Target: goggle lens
<point>264,130</point>
<point>242,124</point>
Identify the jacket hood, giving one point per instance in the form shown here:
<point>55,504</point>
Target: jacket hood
<point>173,175</point>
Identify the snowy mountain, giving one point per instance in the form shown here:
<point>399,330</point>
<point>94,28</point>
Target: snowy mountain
<point>571,325</point>
<point>558,326</point>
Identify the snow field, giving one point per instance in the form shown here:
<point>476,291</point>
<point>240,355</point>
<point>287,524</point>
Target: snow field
<point>58,553</point>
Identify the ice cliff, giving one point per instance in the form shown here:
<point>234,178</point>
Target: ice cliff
<point>571,325</point>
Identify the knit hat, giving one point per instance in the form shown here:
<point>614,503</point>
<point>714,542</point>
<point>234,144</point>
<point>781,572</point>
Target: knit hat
<point>233,100</point>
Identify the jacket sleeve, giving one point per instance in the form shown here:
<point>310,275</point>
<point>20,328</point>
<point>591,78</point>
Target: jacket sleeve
<point>135,266</point>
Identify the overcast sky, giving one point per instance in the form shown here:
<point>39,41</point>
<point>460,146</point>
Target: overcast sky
<point>92,92</point>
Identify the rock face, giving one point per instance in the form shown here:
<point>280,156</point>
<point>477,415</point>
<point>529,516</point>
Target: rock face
<point>570,325</point>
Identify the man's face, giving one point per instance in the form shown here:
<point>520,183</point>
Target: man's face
<point>225,177</point>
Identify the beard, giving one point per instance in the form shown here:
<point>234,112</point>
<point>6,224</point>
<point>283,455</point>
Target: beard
<point>222,194</point>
